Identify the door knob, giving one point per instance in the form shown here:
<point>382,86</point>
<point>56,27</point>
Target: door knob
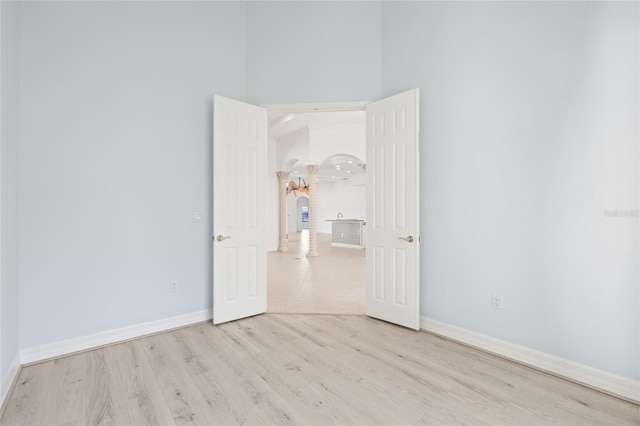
<point>409,239</point>
<point>221,238</point>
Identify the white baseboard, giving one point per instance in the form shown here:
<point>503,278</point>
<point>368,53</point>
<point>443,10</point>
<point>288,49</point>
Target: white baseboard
<point>7,381</point>
<point>65,347</point>
<point>599,379</point>
<point>592,377</point>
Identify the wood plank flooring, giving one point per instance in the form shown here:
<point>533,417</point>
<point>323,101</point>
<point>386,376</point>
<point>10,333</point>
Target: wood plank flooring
<point>303,370</point>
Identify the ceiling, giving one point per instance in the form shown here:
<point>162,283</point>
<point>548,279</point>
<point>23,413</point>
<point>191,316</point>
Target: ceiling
<point>335,168</point>
<point>284,122</point>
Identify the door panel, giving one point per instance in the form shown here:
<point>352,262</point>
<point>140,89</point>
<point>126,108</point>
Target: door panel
<point>393,210</point>
<point>239,188</point>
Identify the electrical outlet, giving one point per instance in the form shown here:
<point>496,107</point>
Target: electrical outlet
<point>173,286</point>
<point>496,301</point>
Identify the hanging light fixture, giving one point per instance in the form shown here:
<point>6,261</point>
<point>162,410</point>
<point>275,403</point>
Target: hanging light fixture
<point>301,186</point>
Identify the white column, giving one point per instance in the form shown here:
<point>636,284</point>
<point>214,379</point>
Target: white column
<point>312,170</point>
<point>283,243</point>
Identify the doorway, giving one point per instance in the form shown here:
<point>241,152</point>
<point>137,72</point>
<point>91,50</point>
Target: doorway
<point>302,214</point>
<point>240,211</point>
<point>335,281</point>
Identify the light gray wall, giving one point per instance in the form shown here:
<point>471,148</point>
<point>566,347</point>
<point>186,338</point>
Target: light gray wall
<point>9,291</point>
<point>115,139</point>
<point>529,132</point>
<point>313,51</point>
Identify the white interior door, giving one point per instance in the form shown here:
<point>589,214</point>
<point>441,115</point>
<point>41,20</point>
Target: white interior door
<point>393,210</point>
<point>239,204</point>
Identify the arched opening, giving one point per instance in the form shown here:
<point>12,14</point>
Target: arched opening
<point>302,213</point>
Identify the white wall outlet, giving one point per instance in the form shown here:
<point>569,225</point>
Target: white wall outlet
<point>173,286</point>
<point>496,301</point>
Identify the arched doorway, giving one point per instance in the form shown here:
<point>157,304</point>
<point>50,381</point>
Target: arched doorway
<point>302,213</point>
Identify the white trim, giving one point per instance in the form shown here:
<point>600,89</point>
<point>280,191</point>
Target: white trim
<point>599,379</point>
<point>77,344</point>
<point>318,107</point>
<point>9,379</point>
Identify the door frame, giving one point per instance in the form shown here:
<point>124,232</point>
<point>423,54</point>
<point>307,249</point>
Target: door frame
<point>317,107</point>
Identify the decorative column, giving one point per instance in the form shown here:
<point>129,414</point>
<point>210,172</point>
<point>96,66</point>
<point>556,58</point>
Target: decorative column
<point>283,243</point>
<point>312,171</point>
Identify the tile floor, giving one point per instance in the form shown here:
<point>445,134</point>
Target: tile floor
<point>332,283</point>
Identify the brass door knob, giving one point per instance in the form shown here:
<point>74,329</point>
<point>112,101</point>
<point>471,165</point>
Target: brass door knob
<point>220,238</point>
<point>409,239</point>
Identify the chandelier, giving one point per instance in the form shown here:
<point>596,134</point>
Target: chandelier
<point>301,186</point>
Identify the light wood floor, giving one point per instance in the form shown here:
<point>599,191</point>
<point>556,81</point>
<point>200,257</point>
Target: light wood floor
<point>332,283</point>
<point>300,369</point>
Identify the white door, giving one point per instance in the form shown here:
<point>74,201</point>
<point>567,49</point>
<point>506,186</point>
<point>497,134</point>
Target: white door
<point>239,204</point>
<point>393,210</point>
